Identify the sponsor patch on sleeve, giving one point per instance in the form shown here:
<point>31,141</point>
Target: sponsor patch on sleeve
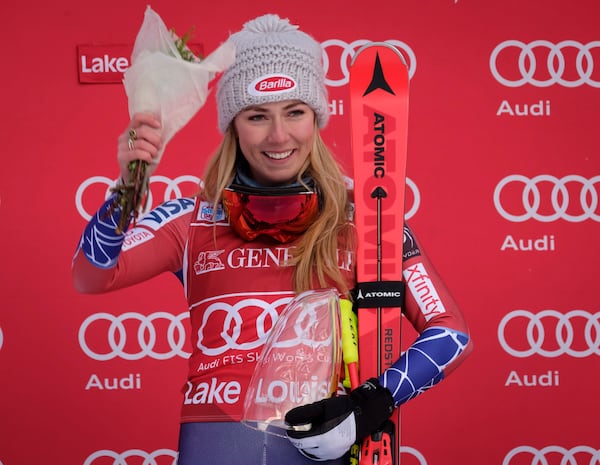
<point>422,288</point>
<point>410,248</point>
<point>167,212</point>
<point>135,237</point>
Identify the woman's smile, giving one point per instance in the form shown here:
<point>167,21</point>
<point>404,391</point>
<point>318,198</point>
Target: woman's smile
<point>276,139</point>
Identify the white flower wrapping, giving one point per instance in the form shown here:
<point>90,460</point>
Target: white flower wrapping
<point>161,82</point>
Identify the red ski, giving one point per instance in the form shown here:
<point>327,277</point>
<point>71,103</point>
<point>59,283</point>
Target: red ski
<point>379,121</point>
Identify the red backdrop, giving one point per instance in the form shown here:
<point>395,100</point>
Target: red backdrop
<point>504,177</point>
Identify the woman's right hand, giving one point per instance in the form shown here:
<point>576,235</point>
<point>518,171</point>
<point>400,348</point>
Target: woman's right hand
<point>145,144</point>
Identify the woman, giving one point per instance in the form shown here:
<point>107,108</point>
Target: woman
<point>271,221</point>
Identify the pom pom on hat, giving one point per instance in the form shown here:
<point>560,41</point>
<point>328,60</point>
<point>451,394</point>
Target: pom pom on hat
<point>274,61</point>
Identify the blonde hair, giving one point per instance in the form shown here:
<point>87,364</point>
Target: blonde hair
<point>316,252</point>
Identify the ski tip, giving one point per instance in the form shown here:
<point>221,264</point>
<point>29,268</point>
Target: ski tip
<point>369,45</point>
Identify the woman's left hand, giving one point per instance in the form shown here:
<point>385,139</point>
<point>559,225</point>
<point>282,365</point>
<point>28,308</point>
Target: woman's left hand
<point>325,430</point>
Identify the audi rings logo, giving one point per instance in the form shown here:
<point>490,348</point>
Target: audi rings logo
<point>158,457</point>
<point>233,316</point>
<point>550,333</point>
<point>542,63</point>
<point>578,455</point>
<point>405,450</point>
<point>338,54</point>
<point>547,198</point>
<point>93,191</point>
<point>169,457</point>
<point>103,336</point>
<point>416,195</point>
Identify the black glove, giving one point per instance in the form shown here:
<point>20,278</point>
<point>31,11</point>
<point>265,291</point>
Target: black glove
<point>325,430</point>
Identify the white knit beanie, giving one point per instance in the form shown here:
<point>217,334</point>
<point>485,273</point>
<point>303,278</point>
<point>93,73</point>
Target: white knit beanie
<point>274,61</point>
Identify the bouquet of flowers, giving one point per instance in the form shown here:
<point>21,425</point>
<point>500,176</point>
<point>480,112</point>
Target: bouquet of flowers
<point>167,79</point>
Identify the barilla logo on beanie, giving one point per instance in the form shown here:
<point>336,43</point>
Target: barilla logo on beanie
<point>271,84</point>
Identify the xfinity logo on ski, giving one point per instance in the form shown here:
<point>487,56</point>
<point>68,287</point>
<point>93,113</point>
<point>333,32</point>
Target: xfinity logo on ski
<point>423,290</point>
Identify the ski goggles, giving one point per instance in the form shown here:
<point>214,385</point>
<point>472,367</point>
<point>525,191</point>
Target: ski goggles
<point>281,213</point>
